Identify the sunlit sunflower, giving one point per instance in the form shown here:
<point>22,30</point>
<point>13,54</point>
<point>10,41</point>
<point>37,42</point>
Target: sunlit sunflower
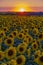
<point>29,38</point>
<point>37,54</point>
<point>36,41</point>
<point>10,53</point>
<point>9,41</point>
<point>2,34</point>
<point>26,41</point>
<point>21,48</point>
<point>14,25</point>
<point>15,33</point>
<point>26,31</point>
<point>12,62</point>
<point>11,35</point>
<point>21,36</point>
<point>41,36</point>
<point>20,60</point>
<point>39,60</point>
<point>34,46</point>
<point>22,31</point>
<point>35,31</point>
<point>5,29</point>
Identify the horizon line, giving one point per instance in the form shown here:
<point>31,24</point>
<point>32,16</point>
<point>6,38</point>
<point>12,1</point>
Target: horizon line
<point>36,9</point>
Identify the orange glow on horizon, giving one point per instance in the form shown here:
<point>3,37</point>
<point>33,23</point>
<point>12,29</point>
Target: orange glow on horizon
<point>22,8</point>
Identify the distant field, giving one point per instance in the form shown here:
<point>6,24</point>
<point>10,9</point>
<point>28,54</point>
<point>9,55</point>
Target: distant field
<point>21,40</point>
<point>23,13</point>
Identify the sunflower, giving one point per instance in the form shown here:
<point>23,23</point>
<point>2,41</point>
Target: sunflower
<point>14,25</point>
<point>21,48</point>
<point>5,29</point>
<point>34,46</point>
<point>37,54</point>
<point>26,31</point>
<point>29,38</point>
<point>12,62</point>
<point>11,35</point>
<point>1,55</point>
<point>22,31</point>
<point>39,60</point>
<point>15,33</point>
<point>20,60</point>
<point>9,41</point>
<point>26,41</point>
<point>41,36</point>
<point>35,31</point>
<point>10,53</point>
<point>21,36</point>
<point>2,34</point>
<point>32,26</point>
<point>27,35</point>
<point>36,41</point>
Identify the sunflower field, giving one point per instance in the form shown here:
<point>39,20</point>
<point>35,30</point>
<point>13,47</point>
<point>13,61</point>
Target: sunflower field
<point>21,40</point>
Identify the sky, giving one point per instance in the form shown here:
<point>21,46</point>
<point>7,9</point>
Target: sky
<point>36,5</point>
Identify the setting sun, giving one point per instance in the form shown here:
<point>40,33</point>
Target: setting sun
<point>21,9</point>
